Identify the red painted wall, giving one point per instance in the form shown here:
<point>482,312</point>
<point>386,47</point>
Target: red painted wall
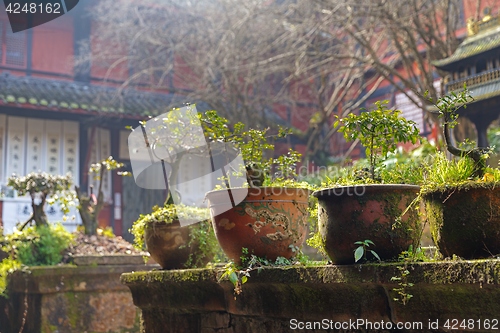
<point>53,46</point>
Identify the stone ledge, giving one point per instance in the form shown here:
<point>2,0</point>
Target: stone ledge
<point>70,299</point>
<point>50,279</point>
<point>194,301</point>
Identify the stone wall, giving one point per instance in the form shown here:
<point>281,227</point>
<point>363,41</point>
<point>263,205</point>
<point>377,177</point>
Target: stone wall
<point>70,299</point>
<point>358,298</point>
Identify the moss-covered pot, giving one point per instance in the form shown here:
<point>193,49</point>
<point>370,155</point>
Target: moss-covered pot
<point>465,221</point>
<point>348,214</point>
<point>270,222</point>
<point>175,247</point>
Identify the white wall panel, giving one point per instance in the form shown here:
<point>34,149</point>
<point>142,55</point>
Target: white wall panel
<point>16,141</point>
<point>35,159</point>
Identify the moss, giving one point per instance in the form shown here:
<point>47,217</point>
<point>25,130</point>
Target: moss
<point>181,275</point>
<point>465,222</point>
<point>381,216</point>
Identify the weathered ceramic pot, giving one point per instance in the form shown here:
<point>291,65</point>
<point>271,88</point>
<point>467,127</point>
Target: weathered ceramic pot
<point>465,222</point>
<point>171,247</point>
<point>348,214</point>
<point>270,221</point>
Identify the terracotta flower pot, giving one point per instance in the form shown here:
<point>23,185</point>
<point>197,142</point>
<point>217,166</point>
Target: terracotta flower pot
<point>269,222</point>
<point>465,222</point>
<point>348,214</point>
<point>171,247</point>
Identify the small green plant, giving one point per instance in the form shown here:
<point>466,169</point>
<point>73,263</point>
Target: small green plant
<point>413,255</point>
<point>402,291</point>
<point>379,131</point>
<point>107,232</point>
<point>39,245</point>
<point>362,250</point>
<point>448,106</point>
<point>236,276</point>
<point>250,262</point>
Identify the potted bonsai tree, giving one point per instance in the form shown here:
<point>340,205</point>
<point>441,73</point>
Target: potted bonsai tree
<point>271,219</point>
<point>176,235</point>
<point>368,207</point>
<point>89,206</point>
<point>171,245</point>
<point>461,195</point>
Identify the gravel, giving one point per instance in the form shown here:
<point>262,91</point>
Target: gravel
<point>100,245</point>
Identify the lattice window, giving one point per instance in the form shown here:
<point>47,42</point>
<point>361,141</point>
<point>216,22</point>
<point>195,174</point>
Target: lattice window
<point>1,41</point>
<point>13,50</point>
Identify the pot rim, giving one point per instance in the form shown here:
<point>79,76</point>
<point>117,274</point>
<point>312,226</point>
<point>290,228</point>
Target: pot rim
<point>367,188</point>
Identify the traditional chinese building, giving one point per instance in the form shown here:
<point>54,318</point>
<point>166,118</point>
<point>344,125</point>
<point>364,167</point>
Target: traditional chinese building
<point>476,63</point>
<point>57,118</point>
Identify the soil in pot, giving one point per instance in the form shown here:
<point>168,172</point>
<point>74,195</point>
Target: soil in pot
<point>348,214</point>
<point>270,222</point>
<point>465,222</point>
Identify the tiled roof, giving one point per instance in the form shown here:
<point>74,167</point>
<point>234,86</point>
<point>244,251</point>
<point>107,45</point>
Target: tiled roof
<point>483,41</point>
<point>484,91</point>
<point>70,95</point>
<point>478,92</point>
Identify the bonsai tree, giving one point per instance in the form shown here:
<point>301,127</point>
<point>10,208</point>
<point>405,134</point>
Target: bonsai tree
<point>256,149</point>
<point>89,205</point>
<point>40,186</point>
<point>379,131</point>
<point>448,106</point>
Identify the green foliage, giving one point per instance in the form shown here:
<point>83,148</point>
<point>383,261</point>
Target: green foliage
<point>108,164</point>
<point>42,185</point>
<point>417,255</point>
<point>236,276</point>
<point>256,146</point>
<point>90,206</point>
<point>7,266</point>
<point>33,246</point>
<point>379,131</point>
<point>39,245</point>
<point>403,284</point>
<point>40,182</point>
<point>166,214</point>
<point>494,138</point>
<point>448,105</point>
<point>442,173</point>
<point>362,250</point>
<point>201,233</point>
<point>107,232</point>
<point>250,262</point>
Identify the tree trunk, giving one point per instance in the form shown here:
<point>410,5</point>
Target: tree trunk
<point>87,213</point>
<point>39,214</point>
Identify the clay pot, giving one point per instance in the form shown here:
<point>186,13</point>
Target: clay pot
<point>348,214</point>
<point>169,245</point>
<point>465,222</point>
<point>269,222</point>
